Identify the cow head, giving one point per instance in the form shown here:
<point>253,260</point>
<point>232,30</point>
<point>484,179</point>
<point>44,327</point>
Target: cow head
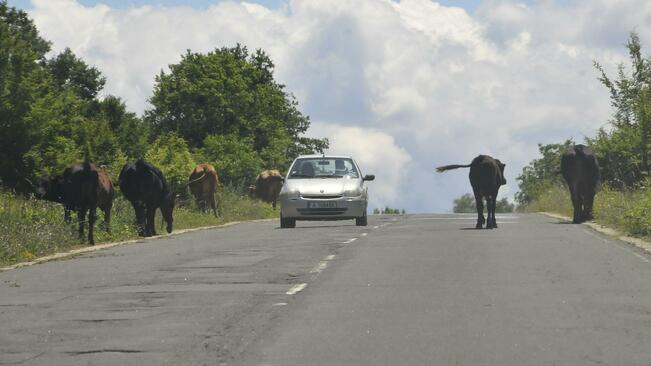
<point>167,209</point>
<point>51,189</point>
<point>501,165</point>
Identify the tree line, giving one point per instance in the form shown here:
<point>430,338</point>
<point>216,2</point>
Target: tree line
<point>222,107</point>
<point>622,146</point>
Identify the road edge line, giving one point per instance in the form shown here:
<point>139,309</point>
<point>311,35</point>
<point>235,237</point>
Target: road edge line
<point>636,242</point>
<point>95,248</point>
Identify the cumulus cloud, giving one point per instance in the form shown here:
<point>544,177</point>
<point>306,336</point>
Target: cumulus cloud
<point>430,84</point>
<point>377,153</point>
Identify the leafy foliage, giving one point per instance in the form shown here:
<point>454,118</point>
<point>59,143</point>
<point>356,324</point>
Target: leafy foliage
<point>466,204</point>
<point>233,157</point>
<point>541,173</point>
<point>229,92</point>
<point>170,153</point>
<point>624,149</point>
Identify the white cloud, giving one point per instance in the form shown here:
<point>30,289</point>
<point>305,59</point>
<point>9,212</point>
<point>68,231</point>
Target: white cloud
<point>376,153</point>
<point>437,84</point>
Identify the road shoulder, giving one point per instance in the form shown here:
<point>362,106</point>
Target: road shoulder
<point>94,248</point>
<point>636,242</point>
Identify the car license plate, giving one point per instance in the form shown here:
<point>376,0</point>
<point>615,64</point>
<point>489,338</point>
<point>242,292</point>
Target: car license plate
<point>322,205</point>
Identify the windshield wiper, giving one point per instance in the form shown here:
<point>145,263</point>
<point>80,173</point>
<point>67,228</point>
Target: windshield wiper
<point>298,175</point>
<point>330,176</point>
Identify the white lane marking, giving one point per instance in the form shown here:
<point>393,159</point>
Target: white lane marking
<point>319,267</point>
<point>463,218</point>
<point>349,241</point>
<point>364,234</point>
<point>280,304</point>
<point>376,227</point>
<point>618,246</point>
<point>296,289</point>
<point>330,257</point>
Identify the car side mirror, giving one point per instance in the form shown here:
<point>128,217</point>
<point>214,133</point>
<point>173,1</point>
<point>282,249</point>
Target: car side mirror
<point>369,177</point>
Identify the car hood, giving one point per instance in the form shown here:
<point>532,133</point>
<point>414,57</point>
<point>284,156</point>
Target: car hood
<point>322,186</point>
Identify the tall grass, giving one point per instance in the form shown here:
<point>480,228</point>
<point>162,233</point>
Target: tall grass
<point>31,228</point>
<point>628,211</point>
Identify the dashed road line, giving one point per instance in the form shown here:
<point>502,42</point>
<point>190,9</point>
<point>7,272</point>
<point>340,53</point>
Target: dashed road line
<point>296,289</point>
<point>364,234</point>
<point>330,257</point>
<point>349,241</point>
<point>319,267</point>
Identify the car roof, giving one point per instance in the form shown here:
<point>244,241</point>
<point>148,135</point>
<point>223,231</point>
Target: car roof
<point>321,156</point>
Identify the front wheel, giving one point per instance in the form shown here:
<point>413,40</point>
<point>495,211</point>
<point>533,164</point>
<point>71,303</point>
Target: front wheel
<point>287,223</point>
<point>362,221</point>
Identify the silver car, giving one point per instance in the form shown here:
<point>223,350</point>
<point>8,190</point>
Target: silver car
<point>320,187</point>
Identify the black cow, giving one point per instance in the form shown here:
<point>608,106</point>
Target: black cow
<point>81,188</point>
<point>145,187</point>
<point>486,177</point>
<point>52,189</point>
<point>580,169</point>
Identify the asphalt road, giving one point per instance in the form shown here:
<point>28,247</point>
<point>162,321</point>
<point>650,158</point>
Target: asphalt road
<point>414,290</point>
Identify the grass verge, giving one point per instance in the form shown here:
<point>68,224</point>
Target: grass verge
<point>31,228</point>
<point>626,211</point>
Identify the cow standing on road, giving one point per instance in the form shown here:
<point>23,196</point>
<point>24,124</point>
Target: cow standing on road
<point>267,186</point>
<point>145,187</point>
<point>581,172</point>
<point>486,177</point>
<point>203,185</point>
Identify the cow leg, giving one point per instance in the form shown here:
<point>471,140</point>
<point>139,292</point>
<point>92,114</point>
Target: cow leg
<point>107,218</point>
<point>81,216</point>
<point>151,223</point>
<point>587,206</point>
<point>213,205</point>
<point>66,215</point>
<point>91,225</point>
<point>273,203</point>
<point>479,203</point>
<point>140,217</point>
<point>491,202</point>
<point>576,204</point>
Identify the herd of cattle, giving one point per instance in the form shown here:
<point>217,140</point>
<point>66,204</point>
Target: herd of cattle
<point>84,187</point>
<point>579,168</point>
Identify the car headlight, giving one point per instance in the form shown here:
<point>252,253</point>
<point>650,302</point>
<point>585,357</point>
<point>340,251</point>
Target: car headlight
<point>290,193</point>
<point>356,192</point>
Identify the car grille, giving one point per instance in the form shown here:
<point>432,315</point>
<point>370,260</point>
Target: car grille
<point>322,196</point>
<point>322,211</point>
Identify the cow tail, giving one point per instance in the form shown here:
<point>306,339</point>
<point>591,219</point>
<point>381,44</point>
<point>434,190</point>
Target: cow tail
<point>444,168</point>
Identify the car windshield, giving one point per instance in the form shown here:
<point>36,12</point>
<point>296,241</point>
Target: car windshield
<point>323,168</point>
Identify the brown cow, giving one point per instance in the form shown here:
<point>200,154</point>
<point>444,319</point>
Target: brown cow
<point>267,186</point>
<point>203,185</point>
<point>82,188</point>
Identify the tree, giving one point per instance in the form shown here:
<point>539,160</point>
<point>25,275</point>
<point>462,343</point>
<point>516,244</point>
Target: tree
<point>466,204</point>
<point>22,50</point>
<point>623,151</point>
<point>132,132</point>
<point>228,92</point>
<point>68,71</point>
<point>233,157</point>
<point>170,153</point>
<point>541,173</point>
